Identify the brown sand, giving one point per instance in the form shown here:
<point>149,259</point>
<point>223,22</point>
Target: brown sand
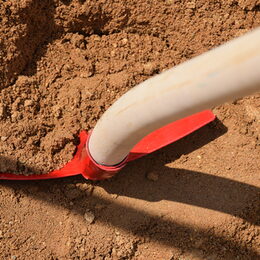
<point>62,64</point>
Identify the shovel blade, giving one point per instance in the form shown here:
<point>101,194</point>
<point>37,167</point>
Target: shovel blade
<point>170,133</point>
<point>152,142</point>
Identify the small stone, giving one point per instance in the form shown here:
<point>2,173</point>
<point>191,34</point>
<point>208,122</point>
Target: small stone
<point>114,196</point>
<point>71,203</point>
<point>152,176</point>
<point>113,53</point>
<point>1,234</point>
<point>57,111</point>
<point>78,41</point>
<point>86,189</point>
<point>199,156</point>
<point>4,138</point>
<point>226,15</point>
<point>67,67</point>
<point>84,186</point>
<point>28,102</point>
<point>191,5</point>
<point>89,217</point>
<point>124,41</point>
<point>150,68</point>
<point>96,37</point>
<point>14,116</point>
<point>87,74</point>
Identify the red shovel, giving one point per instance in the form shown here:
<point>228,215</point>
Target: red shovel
<point>220,75</point>
<point>83,164</point>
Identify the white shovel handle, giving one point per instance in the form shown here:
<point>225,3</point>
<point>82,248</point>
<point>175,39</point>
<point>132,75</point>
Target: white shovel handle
<point>222,74</point>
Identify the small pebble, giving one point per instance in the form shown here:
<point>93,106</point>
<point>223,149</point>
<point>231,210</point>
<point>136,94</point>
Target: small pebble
<point>14,116</point>
<point>149,68</point>
<point>114,196</point>
<point>84,186</point>
<point>89,217</point>
<point>191,5</point>
<point>67,67</point>
<point>113,53</point>
<point>28,102</point>
<point>4,138</point>
<point>124,41</point>
<point>86,74</point>
<point>152,176</point>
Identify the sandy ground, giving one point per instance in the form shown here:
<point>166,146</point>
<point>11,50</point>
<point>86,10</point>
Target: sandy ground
<point>62,64</point>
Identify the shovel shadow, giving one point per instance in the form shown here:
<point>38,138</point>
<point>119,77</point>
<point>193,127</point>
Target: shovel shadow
<point>186,186</point>
<point>138,222</point>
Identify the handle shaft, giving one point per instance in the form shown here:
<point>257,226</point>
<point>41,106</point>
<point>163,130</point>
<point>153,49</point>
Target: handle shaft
<point>220,75</point>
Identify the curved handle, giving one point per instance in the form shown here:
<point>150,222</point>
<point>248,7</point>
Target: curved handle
<point>222,74</point>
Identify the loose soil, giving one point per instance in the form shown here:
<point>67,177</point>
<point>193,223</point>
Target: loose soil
<point>62,64</point>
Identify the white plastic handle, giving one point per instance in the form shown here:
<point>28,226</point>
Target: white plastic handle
<point>222,74</point>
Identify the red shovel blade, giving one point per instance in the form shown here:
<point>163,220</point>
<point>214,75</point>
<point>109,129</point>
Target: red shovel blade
<point>170,133</point>
<point>81,163</point>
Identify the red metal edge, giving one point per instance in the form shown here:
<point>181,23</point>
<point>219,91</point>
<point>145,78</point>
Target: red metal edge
<point>170,133</point>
